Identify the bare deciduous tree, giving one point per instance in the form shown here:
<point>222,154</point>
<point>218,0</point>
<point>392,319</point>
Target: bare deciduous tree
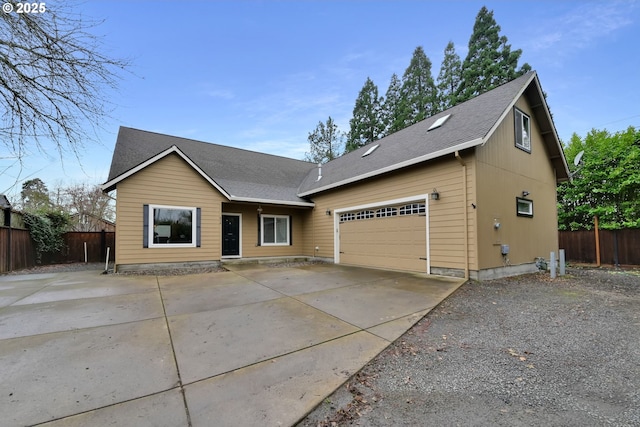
<point>53,80</point>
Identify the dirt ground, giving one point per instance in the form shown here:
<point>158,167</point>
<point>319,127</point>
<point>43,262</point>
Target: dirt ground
<point>519,351</point>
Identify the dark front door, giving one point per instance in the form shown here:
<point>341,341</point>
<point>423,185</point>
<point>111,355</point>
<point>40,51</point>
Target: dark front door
<point>230,235</point>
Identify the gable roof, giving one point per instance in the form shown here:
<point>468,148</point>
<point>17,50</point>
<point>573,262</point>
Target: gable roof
<point>249,176</point>
<point>469,124</point>
<point>240,175</point>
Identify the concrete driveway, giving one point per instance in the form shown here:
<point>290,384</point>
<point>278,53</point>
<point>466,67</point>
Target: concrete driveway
<point>252,346</point>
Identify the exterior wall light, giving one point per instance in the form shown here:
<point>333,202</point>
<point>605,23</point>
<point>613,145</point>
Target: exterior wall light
<point>259,209</point>
<point>525,193</point>
<point>328,212</point>
<point>435,195</point>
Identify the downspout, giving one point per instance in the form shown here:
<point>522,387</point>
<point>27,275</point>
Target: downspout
<point>466,214</point>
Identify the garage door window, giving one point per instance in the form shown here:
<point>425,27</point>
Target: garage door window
<point>413,209</point>
<point>347,217</point>
<point>385,212</point>
<point>365,215</point>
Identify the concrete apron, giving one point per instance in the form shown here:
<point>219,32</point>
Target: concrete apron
<point>252,346</point>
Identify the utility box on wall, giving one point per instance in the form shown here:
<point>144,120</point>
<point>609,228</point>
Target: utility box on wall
<point>504,249</point>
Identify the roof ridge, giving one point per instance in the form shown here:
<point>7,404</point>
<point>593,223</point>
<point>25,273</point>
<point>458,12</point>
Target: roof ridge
<point>214,143</point>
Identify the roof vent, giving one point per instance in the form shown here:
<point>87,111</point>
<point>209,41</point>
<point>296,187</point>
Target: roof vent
<point>370,150</point>
<point>439,122</point>
<point>319,172</point>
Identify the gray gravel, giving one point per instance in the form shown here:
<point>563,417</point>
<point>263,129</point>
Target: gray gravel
<point>519,351</point>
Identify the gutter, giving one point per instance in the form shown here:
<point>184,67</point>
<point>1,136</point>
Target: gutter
<point>466,214</point>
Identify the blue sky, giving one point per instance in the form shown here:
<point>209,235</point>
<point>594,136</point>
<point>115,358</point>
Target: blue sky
<point>260,75</point>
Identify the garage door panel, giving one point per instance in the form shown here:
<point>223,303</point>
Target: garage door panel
<point>396,242</point>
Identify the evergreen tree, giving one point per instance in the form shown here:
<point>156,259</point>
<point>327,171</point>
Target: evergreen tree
<point>325,142</point>
<point>419,94</point>
<point>490,61</point>
<point>366,125</point>
<point>450,78</point>
<point>391,112</point>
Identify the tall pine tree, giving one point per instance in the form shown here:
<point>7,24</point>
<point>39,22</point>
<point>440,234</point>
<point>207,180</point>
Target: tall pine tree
<point>419,95</point>
<point>366,125</point>
<point>450,78</point>
<point>392,117</point>
<point>490,61</point>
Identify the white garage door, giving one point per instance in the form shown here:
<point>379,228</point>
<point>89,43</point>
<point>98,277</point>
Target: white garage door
<point>392,236</point>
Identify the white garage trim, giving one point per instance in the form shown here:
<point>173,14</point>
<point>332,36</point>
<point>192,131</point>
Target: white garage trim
<point>336,221</point>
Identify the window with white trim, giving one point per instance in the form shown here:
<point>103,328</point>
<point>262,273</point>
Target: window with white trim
<point>524,207</point>
<point>412,209</point>
<point>523,130</point>
<point>275,230</point>
<point>171,226</point>
<point>365,215</point>
<point>384,212</point>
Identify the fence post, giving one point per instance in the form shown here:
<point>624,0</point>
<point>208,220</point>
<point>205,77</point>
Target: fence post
<point>562,261</point>
<point>597,230</point>
<point>552,264</point>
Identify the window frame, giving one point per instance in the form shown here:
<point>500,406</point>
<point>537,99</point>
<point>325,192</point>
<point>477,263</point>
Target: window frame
<point>194,227</point>
<point>519,119</point>
<point>527,214</point>
<point>275,234</point>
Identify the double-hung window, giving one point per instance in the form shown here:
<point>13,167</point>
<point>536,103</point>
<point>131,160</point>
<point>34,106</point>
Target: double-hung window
<point>523,130</point>
<point>275,230</point>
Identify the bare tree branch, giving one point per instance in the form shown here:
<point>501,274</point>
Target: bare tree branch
<point>53,80</point>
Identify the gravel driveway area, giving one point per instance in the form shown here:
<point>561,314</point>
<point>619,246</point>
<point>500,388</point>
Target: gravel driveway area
<point>519,351</point>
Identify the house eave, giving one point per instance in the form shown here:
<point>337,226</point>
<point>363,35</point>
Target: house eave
<point>271,201</point>
<point>396,166</point>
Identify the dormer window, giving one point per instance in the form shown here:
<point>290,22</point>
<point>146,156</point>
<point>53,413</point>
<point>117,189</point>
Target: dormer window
<point>523,131</point>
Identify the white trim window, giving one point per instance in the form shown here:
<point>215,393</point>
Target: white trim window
<point>385,212</point>
<point>366,214</point>
<point>414,208</point>
<point>275,230</point>
<point>350,216</point>
<point>523,130</point>
<point>524,207</point>
<point>172,226</point>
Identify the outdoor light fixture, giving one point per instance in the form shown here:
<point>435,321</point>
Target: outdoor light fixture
<point>259,209</point>
<point>328,212</point>
<point>525,193</point>
<point>435,195</point>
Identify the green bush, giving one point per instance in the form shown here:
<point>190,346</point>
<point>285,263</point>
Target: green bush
<point>46,230</point>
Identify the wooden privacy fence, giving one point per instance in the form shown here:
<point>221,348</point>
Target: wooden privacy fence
<point>74,250</point>
<point>17,250</point>
<point>617,247</point>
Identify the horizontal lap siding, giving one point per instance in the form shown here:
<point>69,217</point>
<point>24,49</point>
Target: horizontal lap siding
<point>300,231</point>
<point>446,214</point>
<point>169,181</point>
<point>504,172</point>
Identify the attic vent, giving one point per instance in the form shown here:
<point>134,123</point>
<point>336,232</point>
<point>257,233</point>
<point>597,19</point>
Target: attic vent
<point>370,150</point>
<point>439,122</point>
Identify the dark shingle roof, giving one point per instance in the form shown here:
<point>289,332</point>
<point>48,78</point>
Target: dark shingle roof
<point>469,124</point>
<point>241,173</point>
<point>251,176</point>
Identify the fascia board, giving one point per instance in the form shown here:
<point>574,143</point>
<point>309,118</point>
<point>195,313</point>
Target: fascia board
<point>406,163</point>
<point>161,155</point>
<point>271,202</point>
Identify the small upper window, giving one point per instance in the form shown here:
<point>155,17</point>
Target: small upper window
<point>347,217</point>
<point>414,208</point>
<point>365,215</point>
<point>524,207</point>
<point>523,130</point>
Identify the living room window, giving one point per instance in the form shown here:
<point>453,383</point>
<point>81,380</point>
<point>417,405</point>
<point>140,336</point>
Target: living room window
<point>523,130</point>
<point>275,230</point>
<point>171,226</point>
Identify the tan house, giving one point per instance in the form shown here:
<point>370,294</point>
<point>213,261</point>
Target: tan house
<point>469,192</point>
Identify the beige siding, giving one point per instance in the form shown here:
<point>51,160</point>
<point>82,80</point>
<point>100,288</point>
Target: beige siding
<point>447,235</point>
<point>503,173</point>
<point>169,181</point>
<point>250,248</point>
